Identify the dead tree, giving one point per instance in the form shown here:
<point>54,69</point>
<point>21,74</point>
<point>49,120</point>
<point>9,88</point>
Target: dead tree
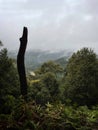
<point>21,64</point>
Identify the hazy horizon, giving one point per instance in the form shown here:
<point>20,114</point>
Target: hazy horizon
<point>52,24</point>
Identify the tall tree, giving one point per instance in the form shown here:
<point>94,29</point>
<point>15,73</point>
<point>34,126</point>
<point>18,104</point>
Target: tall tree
<point>20,62</point>
<point>9,85</point>
<point>82,77</point>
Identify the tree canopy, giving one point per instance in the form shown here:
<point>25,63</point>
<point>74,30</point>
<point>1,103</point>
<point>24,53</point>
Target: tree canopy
<point>50,66</point>
<point>9,85</point>
<point>82,77</point>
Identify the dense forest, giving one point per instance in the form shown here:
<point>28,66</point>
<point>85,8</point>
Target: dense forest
<point>59,97</point>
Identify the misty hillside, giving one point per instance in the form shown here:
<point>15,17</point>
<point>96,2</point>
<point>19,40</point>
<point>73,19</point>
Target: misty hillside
<point>62,61</point>
<point>34,58</point>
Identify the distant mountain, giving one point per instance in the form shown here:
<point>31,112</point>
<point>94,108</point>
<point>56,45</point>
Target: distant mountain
<point>35,58</point>
<point>62,61</point>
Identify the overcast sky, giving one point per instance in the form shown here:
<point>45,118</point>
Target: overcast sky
<point>52,24</point>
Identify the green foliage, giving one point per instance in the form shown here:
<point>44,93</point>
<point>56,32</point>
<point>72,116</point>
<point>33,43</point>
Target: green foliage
<point>50,67</point>
<point>53,116</point>
<point>50,82</point>
<point>81,80</point>
<point>8,82</point>
<point>46,85</point>
<point>46,89</point>
<point>62,61</point>
<point>43,109</point>
<point>38,92</point>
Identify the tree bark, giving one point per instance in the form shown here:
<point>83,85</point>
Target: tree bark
<point>21,64</point>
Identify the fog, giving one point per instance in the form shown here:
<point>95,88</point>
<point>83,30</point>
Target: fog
<point>52,24</point>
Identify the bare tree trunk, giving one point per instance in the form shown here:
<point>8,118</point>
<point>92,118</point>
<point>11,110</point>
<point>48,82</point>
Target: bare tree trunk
<point>21,64</point>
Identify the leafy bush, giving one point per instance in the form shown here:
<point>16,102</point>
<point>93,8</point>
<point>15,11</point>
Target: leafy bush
<point>52,116</point>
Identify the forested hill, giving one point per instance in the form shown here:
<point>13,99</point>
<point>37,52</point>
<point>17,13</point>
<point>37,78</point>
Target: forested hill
<point>57,98</point>
<point>35,58</point>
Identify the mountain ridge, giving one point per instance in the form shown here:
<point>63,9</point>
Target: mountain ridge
<point>35,58</point>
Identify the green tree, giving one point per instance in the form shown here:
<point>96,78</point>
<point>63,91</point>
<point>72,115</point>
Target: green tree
<point>51,83</point>
<point>81,78</point>
<point>9,85</point>
<point>38,92</point>
<point>51,66</point>
<point>45,90</point>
